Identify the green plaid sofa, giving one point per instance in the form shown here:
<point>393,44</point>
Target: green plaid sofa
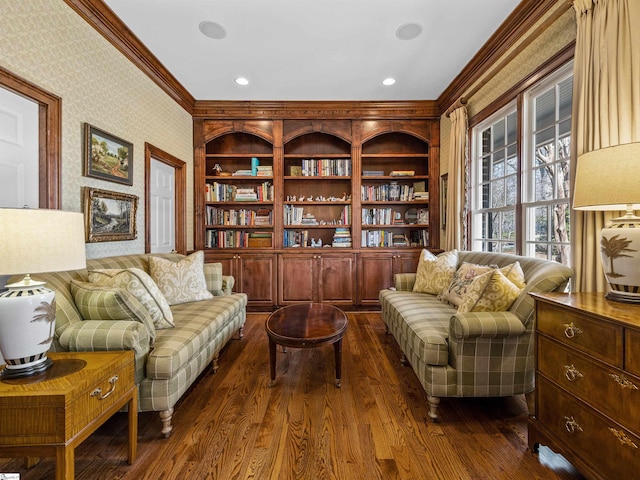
<point>166,369</point>
<point>473,354</point>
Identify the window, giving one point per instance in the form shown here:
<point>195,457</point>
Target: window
<point>522,205</point>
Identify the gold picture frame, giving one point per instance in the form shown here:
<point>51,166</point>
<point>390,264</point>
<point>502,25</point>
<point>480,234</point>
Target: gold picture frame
<point>109,216</point>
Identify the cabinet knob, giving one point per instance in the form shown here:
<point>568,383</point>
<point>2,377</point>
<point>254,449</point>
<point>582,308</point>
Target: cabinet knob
<point>622,438</point>
<point>572,373</point>
<point>623,381</point>
<point>571,425</point>
<point>570,330</point>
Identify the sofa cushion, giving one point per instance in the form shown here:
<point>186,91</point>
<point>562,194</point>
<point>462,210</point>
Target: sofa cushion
<point>196,324</point>
<point>99,302</point>
<point>139,284</point>
<point>435,273</point>
<point>461,280</point>
<point>490,292</point>
<point>182,281</point>
<point>422,322</point>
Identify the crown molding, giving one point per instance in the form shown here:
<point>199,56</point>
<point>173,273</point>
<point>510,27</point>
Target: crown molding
<point>109,25</point>
<point>422,109</point>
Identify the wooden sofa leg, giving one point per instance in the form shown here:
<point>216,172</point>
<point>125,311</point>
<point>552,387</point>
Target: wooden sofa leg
<point>165,417</point>
<point>240,333</point>
<point>433,407</point>
<point>403,359</point>
<point>215,364</point>
<point>531,402</point>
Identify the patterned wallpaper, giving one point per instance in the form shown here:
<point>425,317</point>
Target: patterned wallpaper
<point>47,43</point>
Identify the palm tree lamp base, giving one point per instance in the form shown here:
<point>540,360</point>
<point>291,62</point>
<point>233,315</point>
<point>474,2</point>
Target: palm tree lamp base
<point>620,249</point>
<point>27,322</point>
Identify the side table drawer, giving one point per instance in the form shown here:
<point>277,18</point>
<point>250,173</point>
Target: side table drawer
<point>101,395</point>
<point>600,339</point>
<point>586,433</point>
<point>610,390</point>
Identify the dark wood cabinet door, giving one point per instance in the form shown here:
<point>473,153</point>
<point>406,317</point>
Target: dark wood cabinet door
<point>296,280</point>
<point>256,276</point>
<point>336,278</point>
<point>375,272</point>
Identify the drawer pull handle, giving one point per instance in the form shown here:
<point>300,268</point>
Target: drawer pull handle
<point>571,425</point>
<point>570,330</point>
<point>624,440</point>
<point>623,381</point>
<point>572,373</point>
<point>98,391</point>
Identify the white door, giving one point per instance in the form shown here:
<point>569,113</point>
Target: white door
<point>19,185</point>
<point>162,196</point>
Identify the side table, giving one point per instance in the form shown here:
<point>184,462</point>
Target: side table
<point>51,413</point>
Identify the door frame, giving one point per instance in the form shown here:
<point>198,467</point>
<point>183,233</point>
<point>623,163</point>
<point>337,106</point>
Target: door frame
<point>181,192</point>
<point>49,135</point>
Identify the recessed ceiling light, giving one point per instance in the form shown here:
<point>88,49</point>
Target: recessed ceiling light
<point>241,81</point>
<point>389,81</point>
<point>212,30</point>
<point>408,31</point>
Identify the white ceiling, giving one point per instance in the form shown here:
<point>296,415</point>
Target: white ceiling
<point>314,49</point>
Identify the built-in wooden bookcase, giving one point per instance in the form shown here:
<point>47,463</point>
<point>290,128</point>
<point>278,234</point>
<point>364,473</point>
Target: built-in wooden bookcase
<point>394,192</point>
<point>317,192</point>
<point>239,192</point>
<point>322,201</point>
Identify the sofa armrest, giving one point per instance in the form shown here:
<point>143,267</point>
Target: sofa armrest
<point>485,325</point>
<point>105,335</point>
<point>228,282</point>
<point>404,281</point>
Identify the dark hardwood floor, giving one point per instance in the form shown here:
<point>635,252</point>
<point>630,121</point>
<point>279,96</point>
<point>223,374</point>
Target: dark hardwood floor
<point>230,425</point>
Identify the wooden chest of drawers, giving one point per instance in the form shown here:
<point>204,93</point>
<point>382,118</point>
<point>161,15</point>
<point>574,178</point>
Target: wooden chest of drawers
<point>51,413</point>
<point>588,383</point>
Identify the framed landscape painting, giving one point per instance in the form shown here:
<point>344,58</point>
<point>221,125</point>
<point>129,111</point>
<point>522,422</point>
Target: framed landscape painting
<point>107,156</point>
<point>109,216</point>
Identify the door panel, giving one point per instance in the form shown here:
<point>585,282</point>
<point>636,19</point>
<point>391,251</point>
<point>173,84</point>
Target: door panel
<point>162,197</point>
<point>337,274</point>
<point>296,278</point>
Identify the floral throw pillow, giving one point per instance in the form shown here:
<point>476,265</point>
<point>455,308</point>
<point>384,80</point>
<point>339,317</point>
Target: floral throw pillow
<point>462,278</point>
<point>139,284</point>
<point>180,282</point>
<point>489,292</point>
<point>435,273</point>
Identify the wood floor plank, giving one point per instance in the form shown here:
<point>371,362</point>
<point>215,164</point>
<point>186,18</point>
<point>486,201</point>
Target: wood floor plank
<point>231,425</point>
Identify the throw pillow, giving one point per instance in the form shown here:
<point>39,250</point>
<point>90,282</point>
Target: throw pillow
<point>213,277</point>
<point>100,302</point>
<point>489,292</point>
<point>514,273</point>
<point>435,273</point>
<point>461,280</point>
<point>139,284</point>
<point>181,281</point>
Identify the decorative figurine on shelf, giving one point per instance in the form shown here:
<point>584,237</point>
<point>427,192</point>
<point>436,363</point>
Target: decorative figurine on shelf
<point>217,169</point>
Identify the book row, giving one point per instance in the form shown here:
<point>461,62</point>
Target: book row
<point>243,216</point>
<point>324,167</point>
<point>388,238</point>
<point>294,215</point>
<point>224,192</point>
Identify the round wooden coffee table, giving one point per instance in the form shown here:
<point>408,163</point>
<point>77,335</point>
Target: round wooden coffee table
<point>306,325</point>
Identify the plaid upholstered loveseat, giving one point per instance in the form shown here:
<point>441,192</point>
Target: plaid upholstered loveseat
<point>168,364</point>
<point>472,354</point>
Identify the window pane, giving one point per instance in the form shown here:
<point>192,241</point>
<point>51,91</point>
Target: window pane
<point>543,184</point>
<point>541,250</point>
<point>541,223</point>
<point>560,231</point>
<point>509,225</point>
<point>511,190</point>
<point>545,136</point>
<point>512,160</point>
<point>497,194</point>
<point>498,164</point>
<point>509,248</point>
<point>498,135</point>
<point>564,128</point>
<point>512,128</point>
<point>565,97</point>
<point>545,106</point>
<point>486,168</point>
<point>485,195</point>
<point>486,141</point>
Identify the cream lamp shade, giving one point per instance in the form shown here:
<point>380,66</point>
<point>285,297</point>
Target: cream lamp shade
<point>609,179</point>
<point>34,241</point>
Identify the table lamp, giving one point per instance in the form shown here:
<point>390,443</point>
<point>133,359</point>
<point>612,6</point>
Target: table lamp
<point>609,179</point>
<point>34,241</point>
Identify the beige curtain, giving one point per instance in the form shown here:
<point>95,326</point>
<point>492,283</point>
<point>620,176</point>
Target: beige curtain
<point>606,109</point>
<point>455,228</point>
